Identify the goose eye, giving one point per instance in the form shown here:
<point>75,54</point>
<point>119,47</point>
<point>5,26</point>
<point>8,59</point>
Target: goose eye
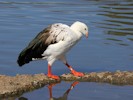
<point>85,28</point>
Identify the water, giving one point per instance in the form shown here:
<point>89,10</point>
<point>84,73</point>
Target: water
<point>83,91</point>
<point>108,48</point>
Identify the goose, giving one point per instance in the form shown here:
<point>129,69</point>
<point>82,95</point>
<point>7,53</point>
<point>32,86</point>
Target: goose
<point>52,44</point>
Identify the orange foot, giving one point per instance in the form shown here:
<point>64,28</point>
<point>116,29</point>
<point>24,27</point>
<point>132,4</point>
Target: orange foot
<point>75,73</point>
<point>54,77</point>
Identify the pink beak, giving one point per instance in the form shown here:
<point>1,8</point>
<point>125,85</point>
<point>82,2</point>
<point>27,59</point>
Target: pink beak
<point>87,35</point>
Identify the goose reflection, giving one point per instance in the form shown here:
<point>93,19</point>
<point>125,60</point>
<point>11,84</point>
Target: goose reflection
<point>50,86</point>
<point>65,95</point>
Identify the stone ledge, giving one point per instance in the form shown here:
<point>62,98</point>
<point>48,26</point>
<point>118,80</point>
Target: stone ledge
<point>19,84</point>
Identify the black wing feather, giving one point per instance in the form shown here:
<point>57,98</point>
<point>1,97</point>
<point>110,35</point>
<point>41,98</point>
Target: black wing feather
<point>35,48</point>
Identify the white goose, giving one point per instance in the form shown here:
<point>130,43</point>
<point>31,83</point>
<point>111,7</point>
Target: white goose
<point>52,44</point>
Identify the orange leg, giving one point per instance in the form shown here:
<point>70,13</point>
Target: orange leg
<point>75,73</point>
<point>50,91</point>
<point>50,75</point>
<point>74,84</point>
<point>50,86</point>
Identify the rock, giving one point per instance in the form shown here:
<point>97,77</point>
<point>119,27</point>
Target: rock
<point>17,85</point>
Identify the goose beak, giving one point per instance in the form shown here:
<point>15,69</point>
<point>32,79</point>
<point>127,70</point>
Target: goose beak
<point>87,35</point>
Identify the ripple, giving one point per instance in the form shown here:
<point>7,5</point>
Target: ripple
<point>131,39</point>
<point>117,21</point>
<point>113,39</point>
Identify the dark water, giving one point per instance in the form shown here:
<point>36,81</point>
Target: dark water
<point>108,48</point>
